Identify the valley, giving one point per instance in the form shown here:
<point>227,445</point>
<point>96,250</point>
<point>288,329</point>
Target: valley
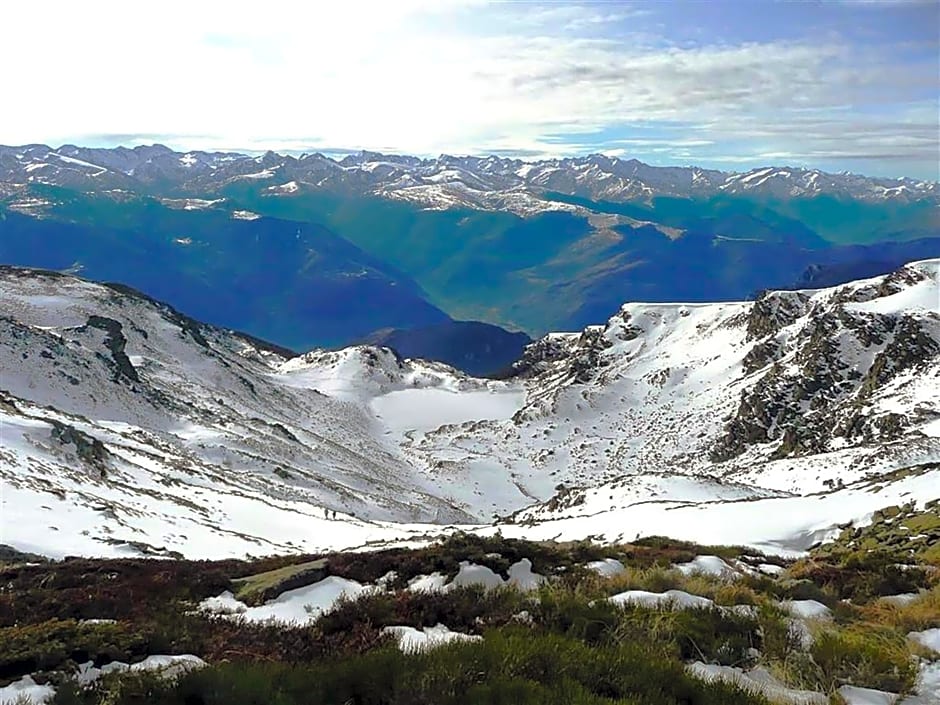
<point>287,248</point>
<point>129,428</point>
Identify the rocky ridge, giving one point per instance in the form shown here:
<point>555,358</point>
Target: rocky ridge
<point>484,183</point>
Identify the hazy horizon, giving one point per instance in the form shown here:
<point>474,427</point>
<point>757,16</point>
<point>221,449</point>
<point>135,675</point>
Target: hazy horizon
<point>836,85</point>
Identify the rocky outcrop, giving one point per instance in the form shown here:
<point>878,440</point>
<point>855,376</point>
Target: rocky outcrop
<point>773,311</point>
<point>816,383</point>
<point>90,451</point>
<point>115,342</point>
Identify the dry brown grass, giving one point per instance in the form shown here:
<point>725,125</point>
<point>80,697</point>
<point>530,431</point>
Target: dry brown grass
<point>922,613</point>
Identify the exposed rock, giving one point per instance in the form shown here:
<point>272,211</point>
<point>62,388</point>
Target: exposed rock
<point>89,450</point>
<point>774,310</point>
<point>115,342</point>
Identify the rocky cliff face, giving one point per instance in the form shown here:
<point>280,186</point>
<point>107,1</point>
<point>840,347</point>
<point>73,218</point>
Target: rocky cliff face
<point>837,381</point>
<point>823,361</point>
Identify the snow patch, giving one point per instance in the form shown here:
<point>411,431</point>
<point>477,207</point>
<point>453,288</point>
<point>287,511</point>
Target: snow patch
<point>853,695</point>
<point>707,565</point>
<point>757,681</point>
<point>675,599</point>
<point>26,689</point>
<point>929,638</point>
<point>807,609</point>
<point>411,640</point>
<point>607,567</point>
<point>299,606</point>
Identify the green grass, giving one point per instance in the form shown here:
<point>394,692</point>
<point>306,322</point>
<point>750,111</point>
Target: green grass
<point>255,589</point>
<point>511,665</point>
<point>563,643</point>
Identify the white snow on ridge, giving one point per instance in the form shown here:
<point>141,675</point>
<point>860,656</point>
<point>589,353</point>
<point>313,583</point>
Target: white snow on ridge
<point>263,174</point>
<point>493,183</point>
<point>221,449</point>
<point>783,526</point>
<point>191,204</point>
<point>924,295</point>
<point>289,187</point>
<point>78,162</point>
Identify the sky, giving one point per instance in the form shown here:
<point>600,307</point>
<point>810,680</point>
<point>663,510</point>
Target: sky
<point>731,84</point>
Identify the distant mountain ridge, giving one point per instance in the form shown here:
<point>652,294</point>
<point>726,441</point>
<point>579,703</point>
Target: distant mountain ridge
<point>479,349</point>
<point>297,284</point>
<point>488,183</point>
<point>404,243</point>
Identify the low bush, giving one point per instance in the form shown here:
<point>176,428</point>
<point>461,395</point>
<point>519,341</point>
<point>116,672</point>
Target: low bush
<point>511,665</point>
<point>567,613</point>
<point>565,643</point>
<point>35,647</point>
<point>495,552</point>
<point>862,576</point>
<point>471,608</point>
<point>863,656</point>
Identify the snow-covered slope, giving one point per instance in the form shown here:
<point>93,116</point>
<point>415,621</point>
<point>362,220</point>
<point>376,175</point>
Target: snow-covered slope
<point>127,426</point>
<point>118,411</point>
<point>794,385</point>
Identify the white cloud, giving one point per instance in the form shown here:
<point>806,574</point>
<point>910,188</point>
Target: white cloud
<point>426,76</point>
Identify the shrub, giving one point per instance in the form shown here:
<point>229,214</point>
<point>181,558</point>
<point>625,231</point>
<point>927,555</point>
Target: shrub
<point>866,656</point>
<point>862,575</point>
<point>566,613</point>
<point>469,608</point>
<point>510,665</point>
<point>50,644</point>
<point>715,635</point>
<point>780,641</point>
<point>495,552</point>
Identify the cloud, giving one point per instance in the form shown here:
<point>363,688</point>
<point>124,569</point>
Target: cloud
<point>465,76</point>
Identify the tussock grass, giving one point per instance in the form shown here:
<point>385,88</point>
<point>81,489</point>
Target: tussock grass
<point>862,576</point>
<point>923,613</point>
<point>864,656</point>
<point>511,665</point>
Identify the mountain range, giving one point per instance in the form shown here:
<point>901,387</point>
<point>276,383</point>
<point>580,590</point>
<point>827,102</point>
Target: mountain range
<point>485,183</point>
<point>312,251</point>
<point>129,427</point>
